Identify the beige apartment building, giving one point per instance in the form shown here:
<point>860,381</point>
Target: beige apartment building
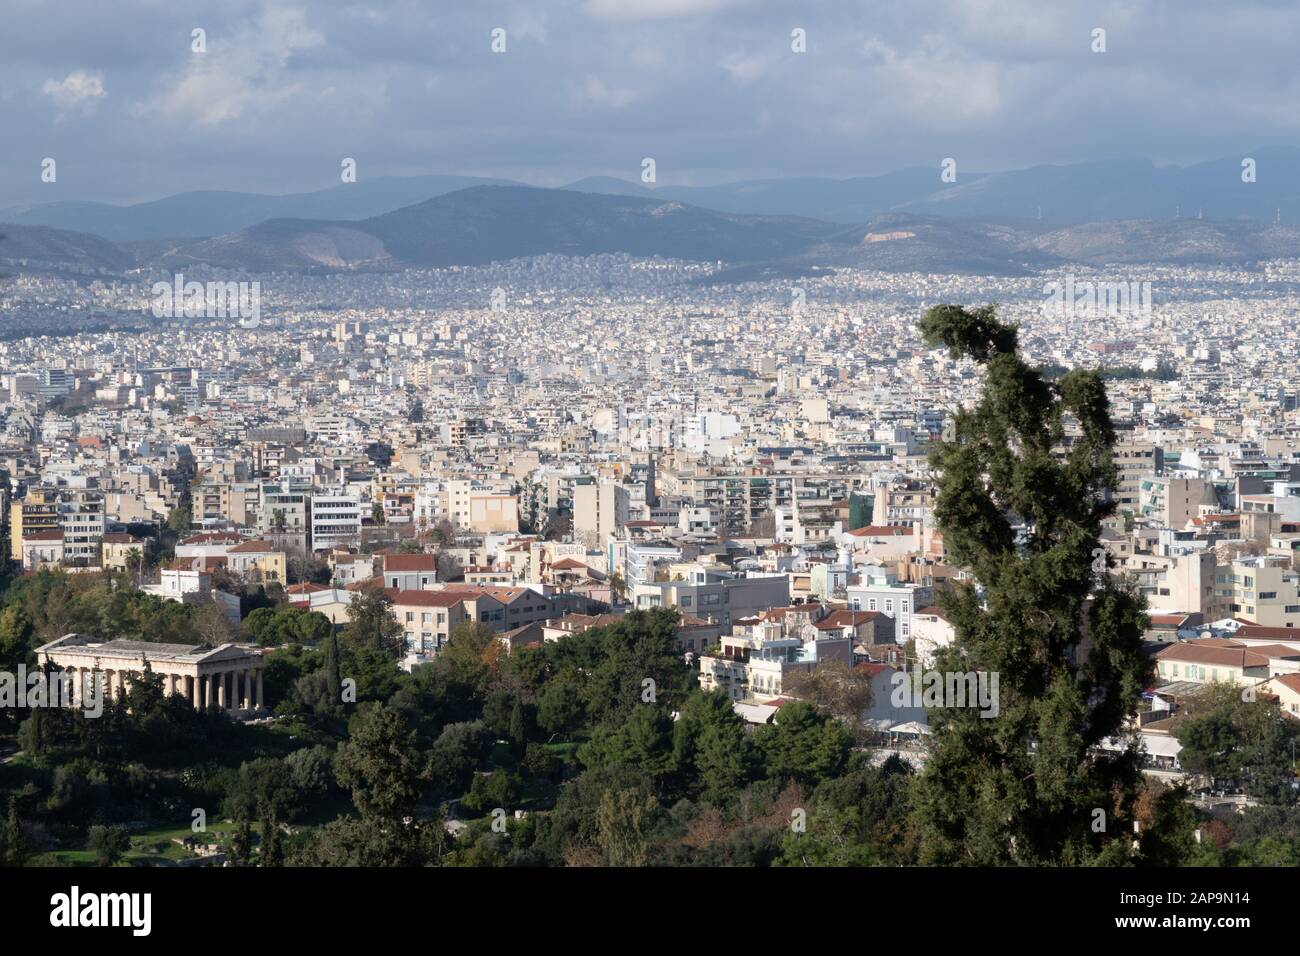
<point>491,513</point>
<point>1173,502</point>
<point>1135,461</point>
<point>599,510</point>
<point>1262,590</point>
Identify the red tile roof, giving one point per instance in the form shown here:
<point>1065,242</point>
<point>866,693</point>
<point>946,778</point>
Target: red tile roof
<point>838,619</point>
<point>426,599</point>
<point>253,547</point>
<point>1201,652</point>
<point>407,563</point>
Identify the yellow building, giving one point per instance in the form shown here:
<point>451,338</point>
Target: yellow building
<point>122,552</point>
<point>258,560</point>
<point>39,511</point>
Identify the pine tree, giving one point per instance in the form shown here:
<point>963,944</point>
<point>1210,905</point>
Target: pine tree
<point>272,843</point>
<point>518,727</point>
<point>331,666</point>
<point>1026,786</point>
<point>13,846</point>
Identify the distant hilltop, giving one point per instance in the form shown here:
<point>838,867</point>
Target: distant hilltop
<point>493,223</point>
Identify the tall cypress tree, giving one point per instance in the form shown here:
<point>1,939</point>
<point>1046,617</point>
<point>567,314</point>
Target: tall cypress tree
<point>1021,506</point>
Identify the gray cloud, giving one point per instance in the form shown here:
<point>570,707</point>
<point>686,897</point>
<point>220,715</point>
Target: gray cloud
<point>709,88</point>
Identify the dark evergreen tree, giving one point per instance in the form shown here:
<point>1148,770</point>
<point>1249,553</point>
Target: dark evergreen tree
<point>1023,787</point>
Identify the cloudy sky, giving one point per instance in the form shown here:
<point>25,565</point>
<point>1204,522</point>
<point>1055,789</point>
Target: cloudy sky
<point>710,88</point>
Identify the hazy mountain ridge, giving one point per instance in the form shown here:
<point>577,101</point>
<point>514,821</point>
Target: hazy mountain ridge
<point>42,249</point>
<point>1119,189</point>
<point>210,213</point>
<point>492,223</point>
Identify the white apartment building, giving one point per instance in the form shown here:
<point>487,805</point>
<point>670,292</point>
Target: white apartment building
<point>83,522</point>
<point>880,590</point>
<point>715,596</point>
<point>335,521</point>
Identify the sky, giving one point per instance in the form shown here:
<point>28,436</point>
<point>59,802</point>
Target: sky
<point>712,90</point>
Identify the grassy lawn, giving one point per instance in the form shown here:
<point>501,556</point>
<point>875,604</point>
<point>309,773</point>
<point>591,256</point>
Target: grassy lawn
<point>566,750</point>
<point>147,846</point>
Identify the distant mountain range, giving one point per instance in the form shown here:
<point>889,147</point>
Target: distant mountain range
<point>486,223</point>
<point>198,215</point>
<point>1063,195</point>
<point>490,223</point>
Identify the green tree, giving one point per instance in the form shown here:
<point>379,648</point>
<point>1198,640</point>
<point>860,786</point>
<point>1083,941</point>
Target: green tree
<point>518,726</point>
<point>108,843</point>
<point>803,745</point>
<point>379,763</point>
<point>13,845</point>
<point>560,710</point>
<point>239,843</point>
<point>1022,507</point>
<point>371,624</point>
<point>1212,744</point>
<point>180,518</point>
<point>644,740</point>
<point>272,851</point>
<point>492,790</point>
<point>709,742</point>
<point>624,819</point>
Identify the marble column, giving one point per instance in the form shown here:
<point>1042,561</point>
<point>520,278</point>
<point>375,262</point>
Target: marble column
<point>260,698</point>
<point>190,690</point>
<point>222,700</point>
<point>236,698</point>
<point>171,684</point>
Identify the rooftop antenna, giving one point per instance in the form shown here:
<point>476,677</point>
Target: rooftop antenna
<point>1040,213</point>
<point>1198,213</point>
<point>1178,212</point>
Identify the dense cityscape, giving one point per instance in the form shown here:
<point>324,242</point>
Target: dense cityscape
<point>652,436</point>
<point>385,474</point>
